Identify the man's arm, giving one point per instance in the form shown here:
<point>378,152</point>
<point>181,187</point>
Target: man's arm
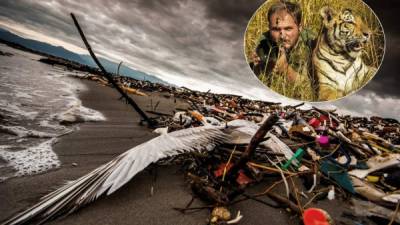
<point>282,66</point>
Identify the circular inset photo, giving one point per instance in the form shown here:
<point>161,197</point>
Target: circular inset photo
<point>314,50</point>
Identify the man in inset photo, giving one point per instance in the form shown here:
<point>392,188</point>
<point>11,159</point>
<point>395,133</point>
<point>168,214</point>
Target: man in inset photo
<point>285,49</point>
<point>281,47</point>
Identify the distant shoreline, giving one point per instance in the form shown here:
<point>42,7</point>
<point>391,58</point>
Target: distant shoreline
<point>54,60</point>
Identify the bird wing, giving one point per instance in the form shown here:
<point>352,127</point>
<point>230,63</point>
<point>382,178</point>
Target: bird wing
<point>114,174</point>
<point>242,131</point>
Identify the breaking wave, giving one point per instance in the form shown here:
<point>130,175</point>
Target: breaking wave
<point>38,103</point>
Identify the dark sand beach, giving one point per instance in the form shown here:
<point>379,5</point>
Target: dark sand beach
<point>98,142</point>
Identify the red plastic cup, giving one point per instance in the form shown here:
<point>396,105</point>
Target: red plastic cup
<point>315,216</point>
<point>314,122</point>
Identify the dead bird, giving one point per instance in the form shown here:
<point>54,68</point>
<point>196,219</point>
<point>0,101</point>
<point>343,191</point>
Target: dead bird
<point>109,177</point>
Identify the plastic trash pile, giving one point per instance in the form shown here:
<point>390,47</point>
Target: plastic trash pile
<point>356,158</point>
<point>353,159</point>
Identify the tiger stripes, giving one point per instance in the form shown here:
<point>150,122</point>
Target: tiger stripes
<point>337,59</point>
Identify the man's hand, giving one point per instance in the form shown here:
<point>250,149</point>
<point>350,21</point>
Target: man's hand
<point>255,58</point>
<point>282,65</point>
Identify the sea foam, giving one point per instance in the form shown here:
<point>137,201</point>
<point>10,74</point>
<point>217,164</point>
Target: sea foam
<point>76,113</point>
<point>38,103</point>
<point>23,132</point>
<point>30,161</point>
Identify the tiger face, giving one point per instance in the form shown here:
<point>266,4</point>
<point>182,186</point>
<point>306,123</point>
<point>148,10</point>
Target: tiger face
<point>345,32</point>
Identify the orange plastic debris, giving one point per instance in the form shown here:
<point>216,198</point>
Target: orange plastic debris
<point>220,171</point>
<point>242,179</point>
<point>197,116</point>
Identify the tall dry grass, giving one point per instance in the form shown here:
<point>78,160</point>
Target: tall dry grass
<point>311,20</point>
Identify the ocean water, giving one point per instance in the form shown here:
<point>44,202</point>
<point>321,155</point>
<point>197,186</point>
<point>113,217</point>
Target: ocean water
<point>38,104</point>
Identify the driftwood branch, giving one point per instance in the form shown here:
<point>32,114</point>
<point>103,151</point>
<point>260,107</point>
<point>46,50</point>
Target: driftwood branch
<point>255,140</point>
<point>119,66</point>
<point>284,201</point>
<point>150,122</point>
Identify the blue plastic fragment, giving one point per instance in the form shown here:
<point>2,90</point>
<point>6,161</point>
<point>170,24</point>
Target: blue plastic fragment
<point>338,174</point>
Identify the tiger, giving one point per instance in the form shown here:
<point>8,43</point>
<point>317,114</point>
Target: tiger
<point>337,58</point>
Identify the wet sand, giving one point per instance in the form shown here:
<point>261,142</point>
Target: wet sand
<point>98,142</point>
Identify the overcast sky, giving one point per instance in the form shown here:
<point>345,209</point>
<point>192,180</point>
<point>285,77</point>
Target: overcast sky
<point>197,44</point>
